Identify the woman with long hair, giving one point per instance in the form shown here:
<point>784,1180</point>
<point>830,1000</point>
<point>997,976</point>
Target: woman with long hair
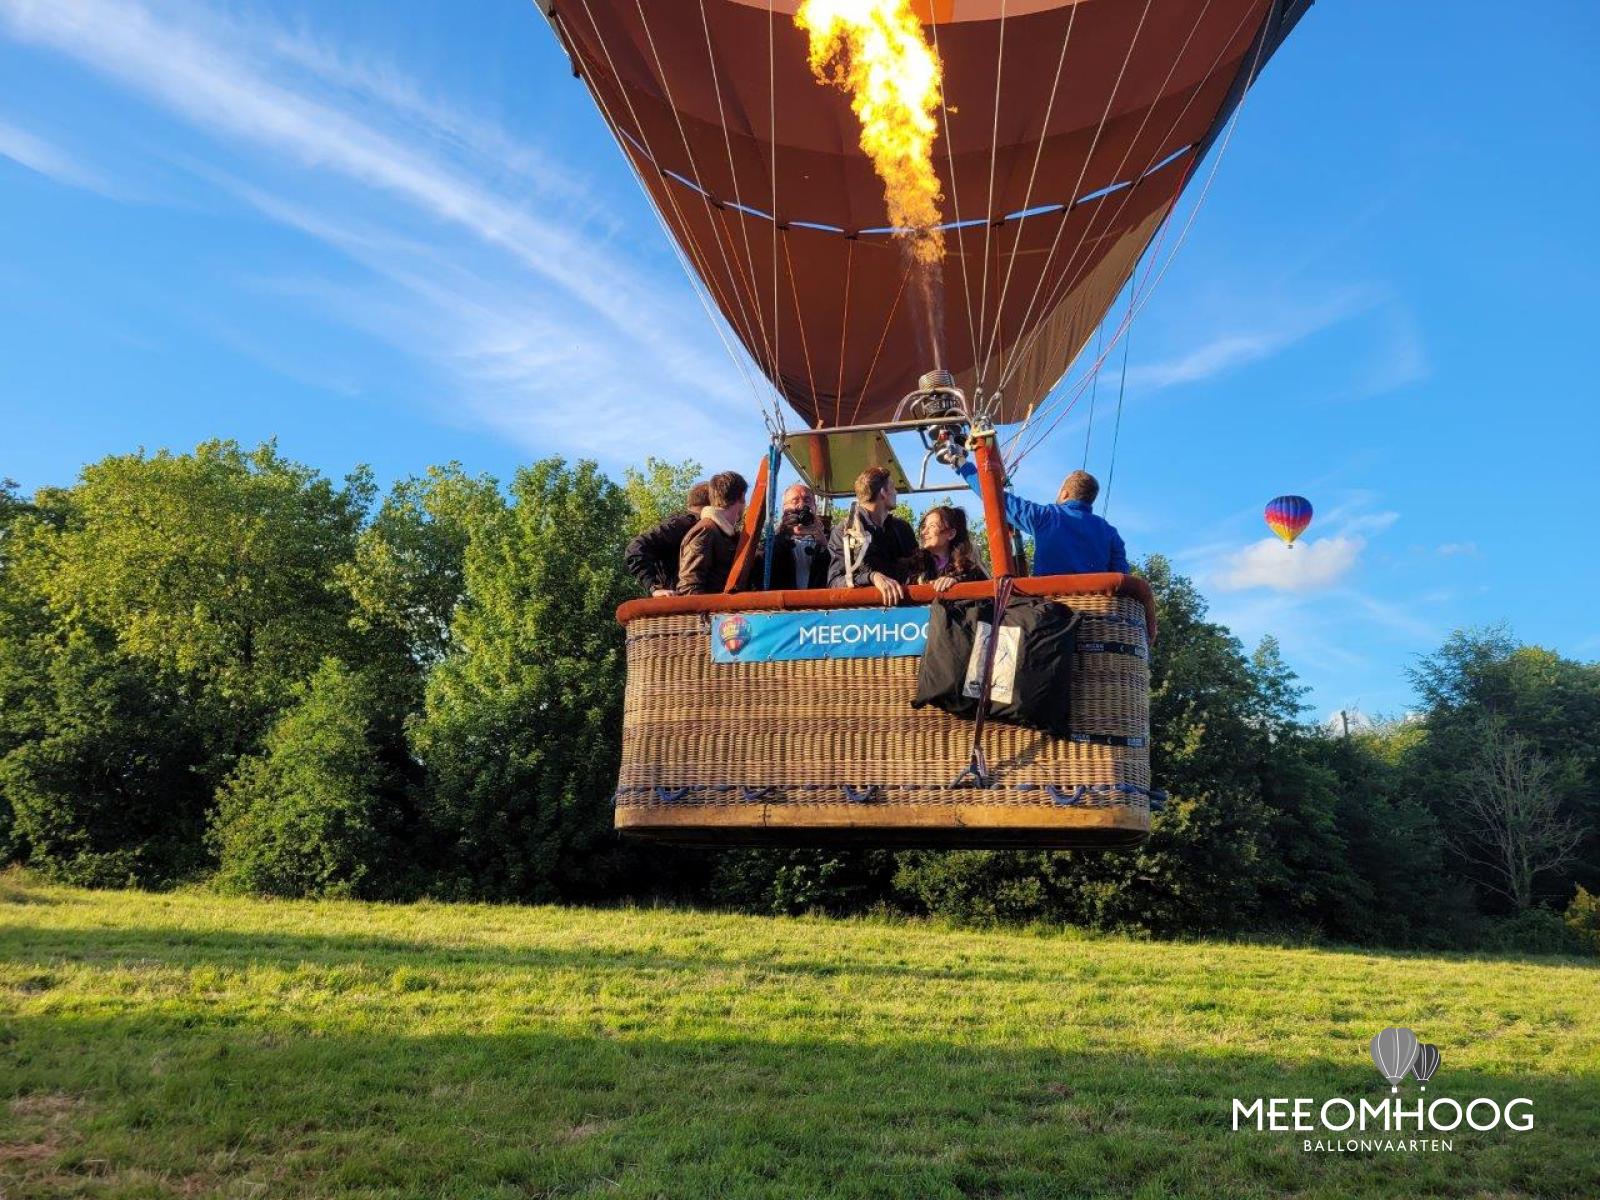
<point>945,555</point>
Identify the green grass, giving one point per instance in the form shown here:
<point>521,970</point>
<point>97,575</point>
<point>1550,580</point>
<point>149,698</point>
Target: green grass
<point>188,1045</point>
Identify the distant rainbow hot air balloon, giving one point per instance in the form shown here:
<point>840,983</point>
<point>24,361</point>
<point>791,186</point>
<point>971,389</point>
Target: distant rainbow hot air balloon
<point>1288,516</point>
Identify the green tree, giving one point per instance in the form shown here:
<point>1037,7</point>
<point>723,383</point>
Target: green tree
<point>408,571</point>
<point>1307,878</point>
<point>1201,868</point>
<point>1510,819</point>
<point>15,608</point>
<point>100,769</point>
<point>154,617</point>
<point>1393,844</point>
<point>658,490</point>
<point>215,568</point>
<point>520,733</point>
<point>1482,678</point>
<point>96,751</point>
<point>11,505</point>
<point>313,814</point>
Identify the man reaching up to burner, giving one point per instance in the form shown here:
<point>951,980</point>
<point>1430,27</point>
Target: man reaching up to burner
<point>1068,538</point>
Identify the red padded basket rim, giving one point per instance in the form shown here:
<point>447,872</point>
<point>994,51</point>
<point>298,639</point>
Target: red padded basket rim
<point>1109,583</point>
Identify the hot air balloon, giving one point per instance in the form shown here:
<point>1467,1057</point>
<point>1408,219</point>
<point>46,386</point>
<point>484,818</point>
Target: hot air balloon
<point>1394,1050</point>
<point>1426,1063</point>
<point>1065,134</point>
<point>926,257</point>
<point>1288,516</point>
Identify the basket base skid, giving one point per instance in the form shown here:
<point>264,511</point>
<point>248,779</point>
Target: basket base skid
<point>978,826</point>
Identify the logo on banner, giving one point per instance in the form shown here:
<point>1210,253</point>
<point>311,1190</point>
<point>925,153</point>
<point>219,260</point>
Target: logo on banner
<point>734,632</point>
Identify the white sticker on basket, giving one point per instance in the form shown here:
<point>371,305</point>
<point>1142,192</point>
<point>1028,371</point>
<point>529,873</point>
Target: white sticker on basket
<point>1005,663</point>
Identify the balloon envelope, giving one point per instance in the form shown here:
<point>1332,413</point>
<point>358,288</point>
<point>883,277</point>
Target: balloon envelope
<point>1053,111</point>
<point>1288,516</point>
<point>1393,1051</point>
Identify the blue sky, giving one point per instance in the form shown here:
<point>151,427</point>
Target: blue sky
<point>397,233</point>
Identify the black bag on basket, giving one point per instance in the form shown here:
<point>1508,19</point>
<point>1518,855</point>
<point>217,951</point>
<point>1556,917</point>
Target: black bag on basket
<point>1032,664</point>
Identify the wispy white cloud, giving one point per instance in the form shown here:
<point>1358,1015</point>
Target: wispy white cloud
<point>600,317</point>
<point>1213,358</point>
<point>1395,359</point>
<point>1308,566</point>
<point>1335,630</point>
<point>505,347</point>
<point>393,93</point>
<point>1351,521</point>
<point>1265,334</point>
<point>1402,619</point>
<point>48,159</point>
<point>1457,550</point>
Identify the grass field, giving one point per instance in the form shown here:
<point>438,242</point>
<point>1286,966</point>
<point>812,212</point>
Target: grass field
<point>186,1045</point>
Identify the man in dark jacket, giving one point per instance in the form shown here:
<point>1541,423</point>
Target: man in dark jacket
<point>873,547</point>
<point>710,547</point>
<point>652,557</point>
<point>800,547</point>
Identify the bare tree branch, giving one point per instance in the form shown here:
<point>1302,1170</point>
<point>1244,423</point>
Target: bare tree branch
<point>1510,816</point>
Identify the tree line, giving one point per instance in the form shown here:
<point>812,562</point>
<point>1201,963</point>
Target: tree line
<point>223,666</point>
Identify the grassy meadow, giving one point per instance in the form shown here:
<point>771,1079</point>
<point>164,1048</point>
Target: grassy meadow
<point>187,1045</point>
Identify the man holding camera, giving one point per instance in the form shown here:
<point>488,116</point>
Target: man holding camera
<point>800,555</point>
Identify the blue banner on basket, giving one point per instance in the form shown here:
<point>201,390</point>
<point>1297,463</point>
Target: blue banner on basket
<point>818,633</point>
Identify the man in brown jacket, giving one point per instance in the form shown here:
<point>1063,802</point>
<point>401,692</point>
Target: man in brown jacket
<point>652,557</point>
<point>710,547</point>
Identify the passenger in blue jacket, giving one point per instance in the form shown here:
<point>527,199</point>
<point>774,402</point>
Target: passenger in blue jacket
<point>1068,539</point>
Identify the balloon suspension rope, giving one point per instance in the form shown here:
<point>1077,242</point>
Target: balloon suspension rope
<point>976,773</point>
<point>1094,388</point>
<point>1116,431</point>
<point>1149,287</point>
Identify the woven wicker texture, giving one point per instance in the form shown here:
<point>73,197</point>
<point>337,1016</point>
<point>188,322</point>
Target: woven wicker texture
<point>828,735</point>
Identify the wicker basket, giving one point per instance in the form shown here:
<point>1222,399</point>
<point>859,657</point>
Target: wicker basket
<point>831,751</point>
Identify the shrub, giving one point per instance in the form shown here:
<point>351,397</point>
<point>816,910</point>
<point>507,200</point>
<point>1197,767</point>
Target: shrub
<point>790,882</point>
<point>104,793</point>
<point>1582,920</point>
<point>306,816</point>
<point>1532,931</point>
